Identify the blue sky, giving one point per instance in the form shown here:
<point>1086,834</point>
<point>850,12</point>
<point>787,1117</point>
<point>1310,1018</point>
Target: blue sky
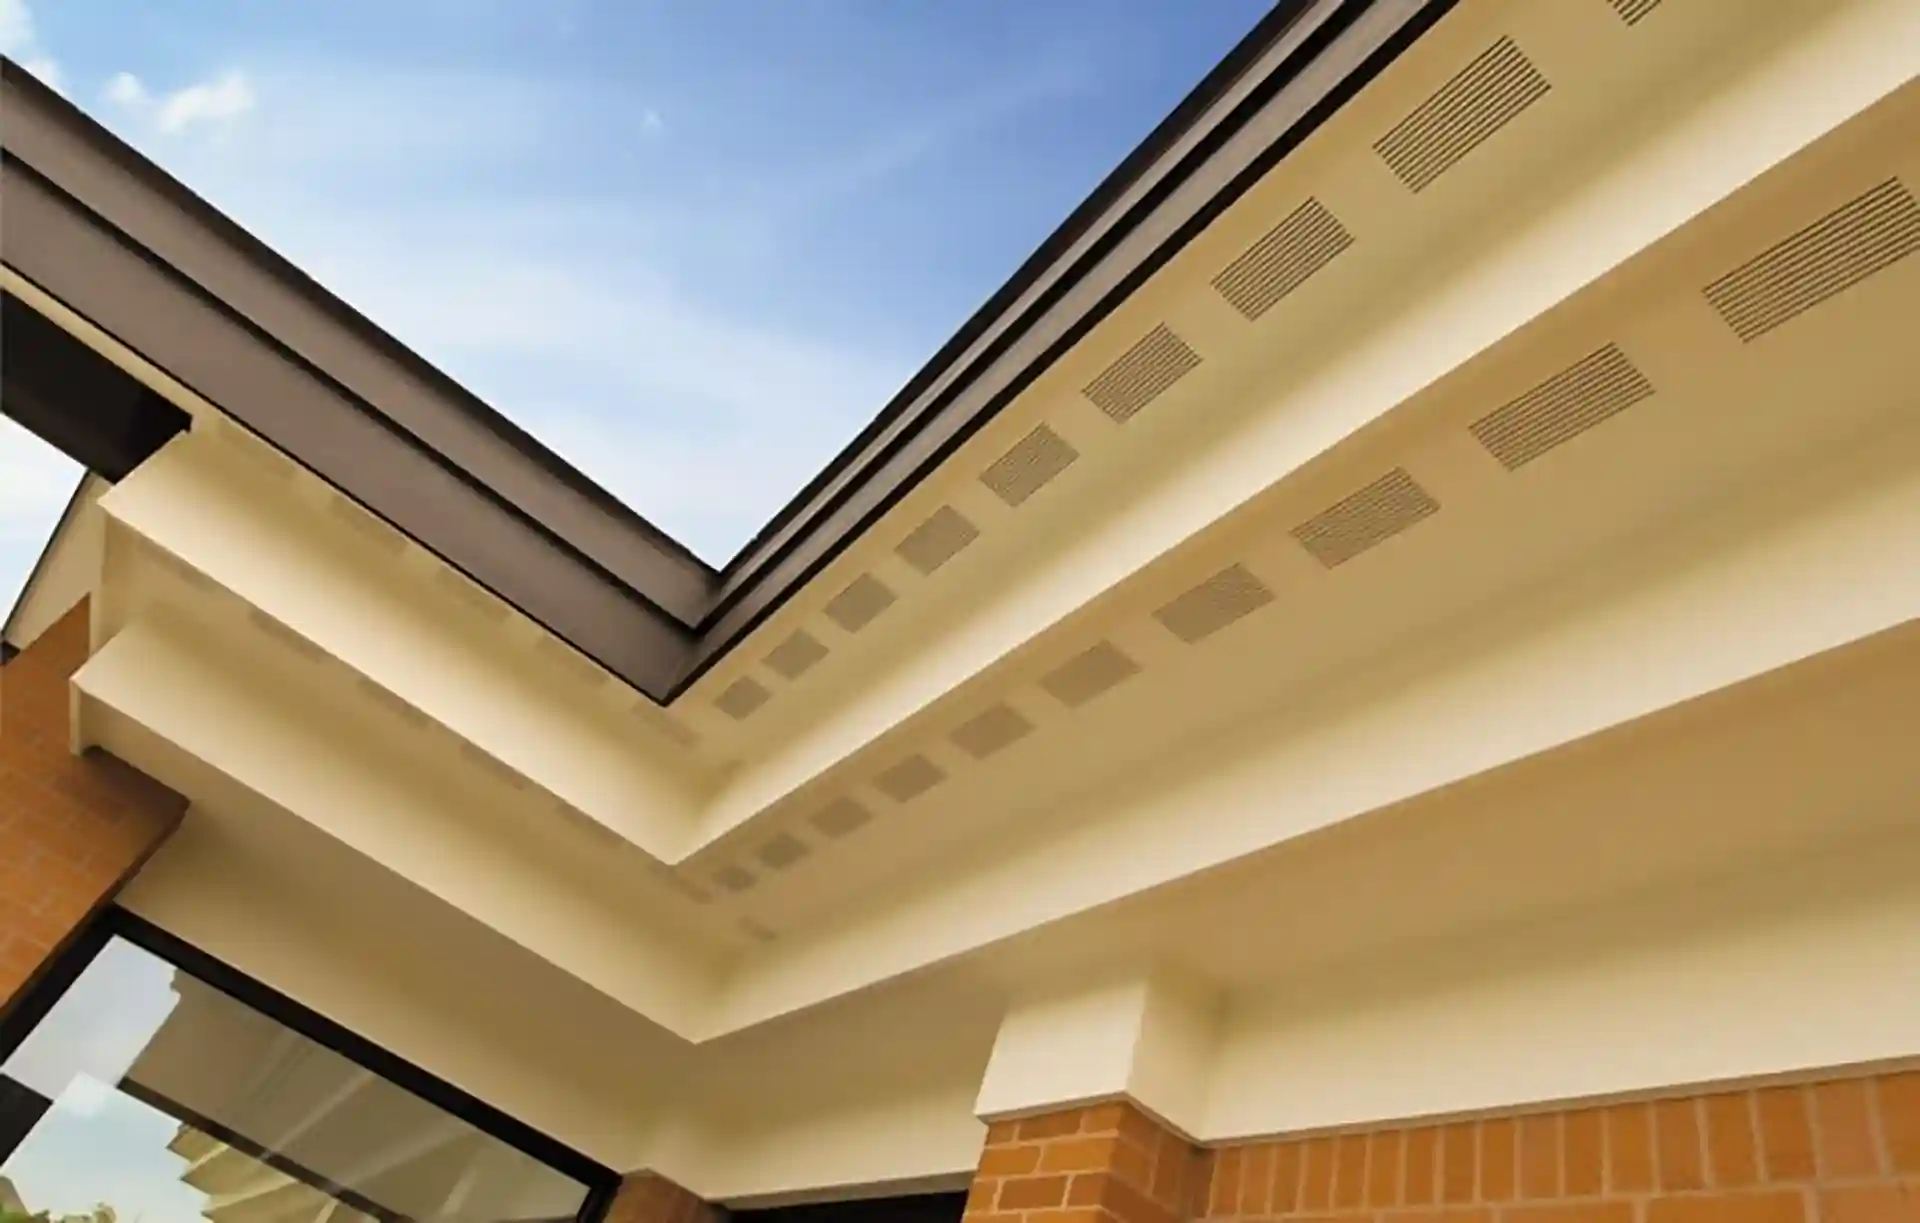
<point>691,244</point>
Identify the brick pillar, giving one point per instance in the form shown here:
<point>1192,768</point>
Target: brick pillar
<point>1845,1150</point>
<point>1109,1163</point>
<point>647,1198</point>
<point>73,829</point>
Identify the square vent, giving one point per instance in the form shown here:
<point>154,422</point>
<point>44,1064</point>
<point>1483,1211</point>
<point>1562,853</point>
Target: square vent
<point>1266,272</point>
<point>1829,256</point>
<point>1089,674</point>
<point>796,655</point>
<point>842,816</point>
<point>1563,407</point>
<point>860,603</point>
<point>937,540</point>
<point>994,730</point>
<point>1027,468</point>
<point>741,698</point>
<point>1214,604</point>
<point>1142,374</point>
<point>1631,11</point>
<point>909,779</point>
<point>1366,519</point>
<point>782,851</point>
<point>1463,114</point>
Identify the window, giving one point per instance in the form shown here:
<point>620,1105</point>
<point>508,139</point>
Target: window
<point>157,1086</point>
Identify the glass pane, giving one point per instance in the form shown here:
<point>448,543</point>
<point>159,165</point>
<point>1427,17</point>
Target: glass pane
<point>147,1096</point>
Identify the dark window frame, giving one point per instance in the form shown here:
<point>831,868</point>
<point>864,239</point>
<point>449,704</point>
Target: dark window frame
<point>37,1000</point>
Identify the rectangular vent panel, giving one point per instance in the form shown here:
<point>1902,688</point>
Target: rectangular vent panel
<point>734,879</point>
<point>1366,519</point>
<point>937,540</point>
<point>741,698</point>
<point>842,816</point>
<point>909,779</point>
<point>860,604</point>
<point>994,730</point>
<point>1214,604</point>
<point>1266,272</point>
<point>796,655</point>
<point>1563,407</point>
<point>1142,374</point>
<point>782,851</point>
<point>1631,11</point>
<point>1829,256</point>
<point>1026,469</point>
<point>1481,99</point>
<point>1087,675</point>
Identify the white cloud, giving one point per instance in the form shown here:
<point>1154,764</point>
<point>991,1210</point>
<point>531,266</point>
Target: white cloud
<point>19,40</point>
<point>215,102</point>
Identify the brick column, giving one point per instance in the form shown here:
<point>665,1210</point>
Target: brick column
<point>647,1198</point>
<point>1109,1163</point>
<point>73,829</point>
<point>1845,1150</point>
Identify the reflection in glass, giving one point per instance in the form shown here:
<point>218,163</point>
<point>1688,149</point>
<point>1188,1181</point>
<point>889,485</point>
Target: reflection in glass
<point>147,1096</point>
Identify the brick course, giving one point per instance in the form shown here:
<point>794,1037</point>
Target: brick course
<point>1840,1151</point>
<point>1109,1163</point>
<point>73,829</point>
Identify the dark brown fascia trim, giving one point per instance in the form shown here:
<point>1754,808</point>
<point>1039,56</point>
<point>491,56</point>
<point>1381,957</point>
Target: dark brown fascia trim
<point>147,261</point>
<point>1303,62</point>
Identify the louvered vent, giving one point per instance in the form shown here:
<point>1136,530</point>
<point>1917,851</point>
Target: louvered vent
<point>860,603</point>
<point>1481,99</point>
<point>1369,517</point>
<point>1306,241</point>
<point>395,705</point>
<point>1214,604</point>
<point>842,816</point>
<point>1026,469</point>
<point>1833,254</point>
<point>909,779</point>
<point>741,698</point>
<point>994,730</point>
<point>796,655</point>
<point>937,540</point>
<point>1087,675</point>
<point>1562,408</point>
<point>1142,374</point>
<point>1631,11</point>
<point>734,879</point>
<point>782,851</point>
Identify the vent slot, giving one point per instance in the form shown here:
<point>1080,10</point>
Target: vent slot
<point>1087,675</point>
<point>1366,519</point>
<point>994,730</point>
<point>1563,407</point>
<point>842,816</point>
<point>1631,11</point>
<point>796,655</point>
<point>1214,604</point>
<point>860,604</point>
<point>782,851</point>
<point>742,697</point>
<point>1481,99</point>
<point>1306,241</point>
<point>1026,469</point>
<point>909,779</point>
<point>937,540</point>
<point>1142,375</point>
<point>1826,258</point>
<point>734,879</point>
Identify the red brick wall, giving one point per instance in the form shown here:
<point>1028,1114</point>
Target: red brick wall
<point>1107,1163</point>
<point>73,829</point>
<point>1841,1151</point>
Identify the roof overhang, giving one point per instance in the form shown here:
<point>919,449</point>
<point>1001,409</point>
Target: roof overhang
<point>112,238</point>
